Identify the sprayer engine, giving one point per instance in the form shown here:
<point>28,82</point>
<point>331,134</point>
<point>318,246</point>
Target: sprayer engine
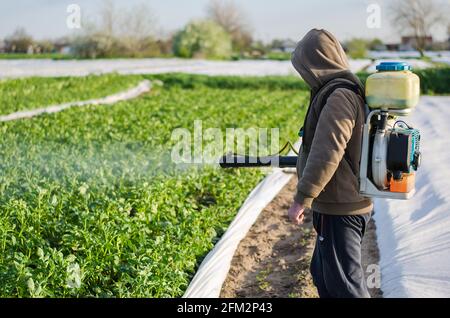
<point>390,156</point>
<point>391,148</point>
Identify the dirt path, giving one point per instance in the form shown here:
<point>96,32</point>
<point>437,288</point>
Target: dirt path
<point>273,259</point>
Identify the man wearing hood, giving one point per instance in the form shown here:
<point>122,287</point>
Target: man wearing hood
<point>328,166</point>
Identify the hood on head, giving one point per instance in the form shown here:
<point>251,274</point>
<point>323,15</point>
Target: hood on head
<point>319,58</point>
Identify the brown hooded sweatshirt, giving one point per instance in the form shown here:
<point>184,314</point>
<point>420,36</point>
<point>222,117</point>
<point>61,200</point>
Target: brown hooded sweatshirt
<point>328,168</point>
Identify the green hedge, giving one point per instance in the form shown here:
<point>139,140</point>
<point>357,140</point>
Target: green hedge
<point>230,82</point>
<point>433,81</point>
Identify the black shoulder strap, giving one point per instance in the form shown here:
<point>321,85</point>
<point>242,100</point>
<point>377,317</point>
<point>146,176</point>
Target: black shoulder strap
<point>353,87</point>
<point>350,86</point>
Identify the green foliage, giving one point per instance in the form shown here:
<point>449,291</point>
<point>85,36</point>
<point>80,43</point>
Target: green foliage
<point>432,80</point>
<point>203,39</point>
<point>92,206</point>
<point>279,56</point>
<point>357,48</point>
<point>230,82</point>
<point>29,93</point>
<point>363,76</point>
<point>435,80</point>
<point>373,44</point>
<point>21,56</point>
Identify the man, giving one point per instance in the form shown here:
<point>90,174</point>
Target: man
<point>328,166</point>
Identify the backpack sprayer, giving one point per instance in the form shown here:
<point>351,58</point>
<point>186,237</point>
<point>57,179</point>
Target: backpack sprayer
<point>390,153</point>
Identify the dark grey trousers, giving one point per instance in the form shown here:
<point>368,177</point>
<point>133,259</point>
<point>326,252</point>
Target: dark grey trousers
<point>336,263</point>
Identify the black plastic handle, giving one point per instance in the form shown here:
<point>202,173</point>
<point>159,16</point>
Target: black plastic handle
<point>233,161</point>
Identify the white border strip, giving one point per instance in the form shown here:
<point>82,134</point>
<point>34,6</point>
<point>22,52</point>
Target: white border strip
<point>134,92</point>
<point>208,281</point>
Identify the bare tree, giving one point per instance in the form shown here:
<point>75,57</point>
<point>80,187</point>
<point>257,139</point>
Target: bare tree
<point>119,32</point>
<point>418,17</point>
<point>18,42</point>
<point>139,22</point>
<point>108,17</point>
<point>137,29</point>
<point>233,19</point>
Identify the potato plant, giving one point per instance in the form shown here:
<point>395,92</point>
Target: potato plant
<point>92,205</point>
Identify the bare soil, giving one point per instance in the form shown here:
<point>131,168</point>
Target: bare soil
<point>273,259</point>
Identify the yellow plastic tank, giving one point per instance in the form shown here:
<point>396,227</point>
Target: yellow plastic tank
<point>394,86</point>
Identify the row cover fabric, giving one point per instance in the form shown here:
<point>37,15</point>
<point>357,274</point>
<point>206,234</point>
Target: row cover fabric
<point>131,93</point>
<point>414,235</point>
<point>51,68</point>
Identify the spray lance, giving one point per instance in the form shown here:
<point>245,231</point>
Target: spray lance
<point>390,153</point>
<point>276,161</point>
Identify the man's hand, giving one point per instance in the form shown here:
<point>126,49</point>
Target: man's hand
<point>296,213</point>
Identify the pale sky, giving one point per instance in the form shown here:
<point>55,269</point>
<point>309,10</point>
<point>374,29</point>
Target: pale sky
<point>269,18</point>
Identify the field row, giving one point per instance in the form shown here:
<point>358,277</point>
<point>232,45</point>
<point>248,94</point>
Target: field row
<point>30,93</point>
<point>91,202</point>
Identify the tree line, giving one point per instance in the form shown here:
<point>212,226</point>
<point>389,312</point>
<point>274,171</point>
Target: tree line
<point>225,32</point>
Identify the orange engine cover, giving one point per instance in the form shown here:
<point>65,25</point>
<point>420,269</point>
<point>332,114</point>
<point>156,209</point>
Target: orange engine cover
<point>405,185</point>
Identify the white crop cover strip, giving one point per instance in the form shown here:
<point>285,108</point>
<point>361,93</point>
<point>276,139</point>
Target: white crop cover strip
<point>414,236</point>
<point>208,281</point>
<point>411,57</point>
<point>143,87</point>
<point>51,68</point>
